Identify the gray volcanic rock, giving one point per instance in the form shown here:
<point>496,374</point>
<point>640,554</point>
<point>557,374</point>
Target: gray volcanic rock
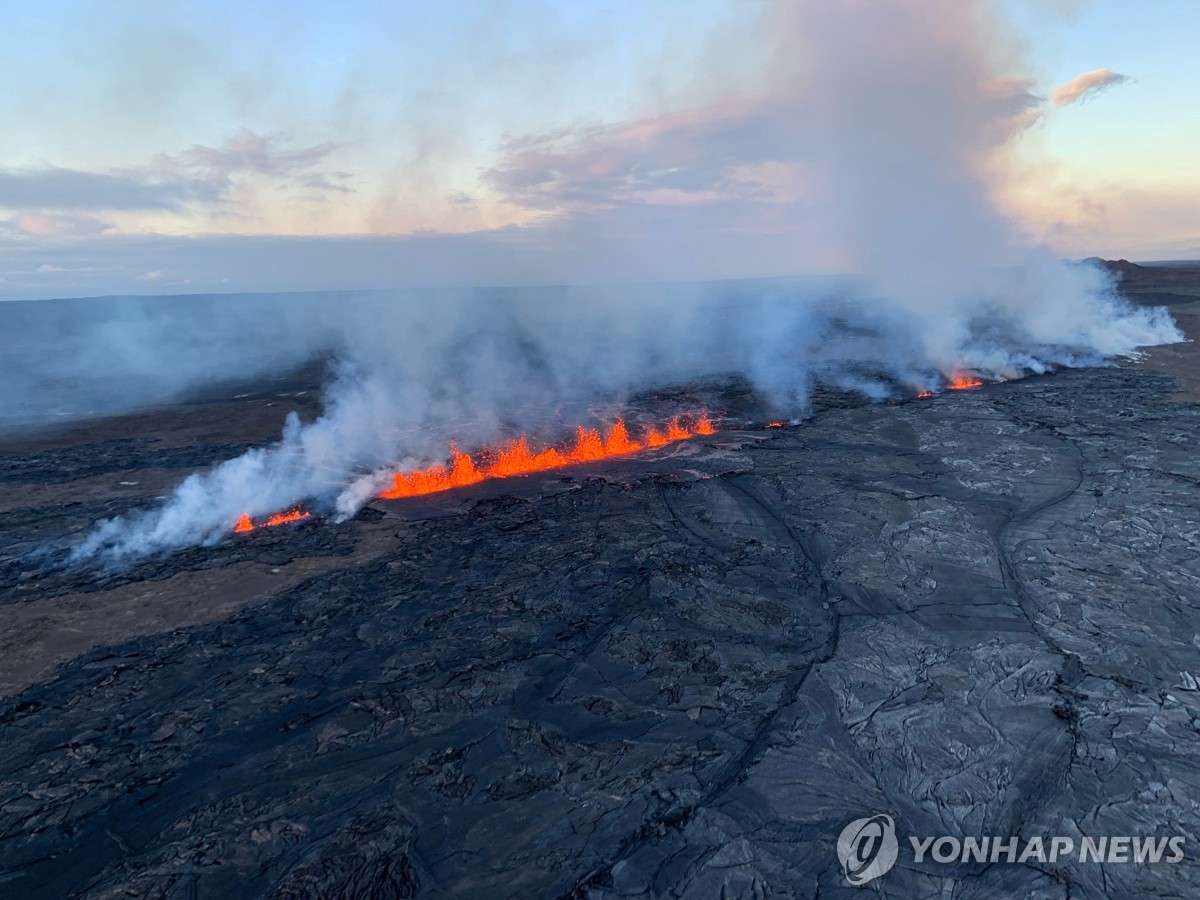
<point>977,613</point>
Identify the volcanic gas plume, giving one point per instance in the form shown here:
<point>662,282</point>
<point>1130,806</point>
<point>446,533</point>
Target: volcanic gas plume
<point>893,120</point>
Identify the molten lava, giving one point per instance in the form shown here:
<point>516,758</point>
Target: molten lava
<point>245,523</point>
<point>961,380</point>
<point>296,515</point>
<point>517,458</point>
<point>958,381</point>
<point>513,458</point>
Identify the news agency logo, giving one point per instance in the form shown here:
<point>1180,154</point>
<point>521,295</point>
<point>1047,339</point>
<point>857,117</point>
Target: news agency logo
<point>867,848</point>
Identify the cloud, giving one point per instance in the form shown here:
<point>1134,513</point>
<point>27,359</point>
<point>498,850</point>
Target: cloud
<point>250,154</point>
<point>200,175</point>
<point>691,156</point>
<point>1081,87</point>
<point>53,225</point>
<point>1109,218</point>
<point>71,189</point>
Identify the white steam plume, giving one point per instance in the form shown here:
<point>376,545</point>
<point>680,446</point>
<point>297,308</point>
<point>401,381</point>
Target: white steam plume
<point>897,114</point>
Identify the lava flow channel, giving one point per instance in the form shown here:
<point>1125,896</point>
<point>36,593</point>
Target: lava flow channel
<point>517,458</point>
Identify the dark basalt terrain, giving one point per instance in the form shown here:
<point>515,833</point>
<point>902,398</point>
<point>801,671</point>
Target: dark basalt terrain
<point>674,676</point>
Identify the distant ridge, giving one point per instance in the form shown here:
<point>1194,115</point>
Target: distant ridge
<point>1120,266</point>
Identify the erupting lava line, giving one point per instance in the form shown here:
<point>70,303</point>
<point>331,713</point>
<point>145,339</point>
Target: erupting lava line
<point>957,381</point>
<point>516,457</point>
<point>245,523</point>
<point>961,380</point>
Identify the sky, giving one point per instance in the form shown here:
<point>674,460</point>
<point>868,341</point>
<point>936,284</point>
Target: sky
<point>169,147</point>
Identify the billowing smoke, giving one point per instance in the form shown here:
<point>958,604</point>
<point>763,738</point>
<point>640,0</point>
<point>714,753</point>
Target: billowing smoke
<point>893,117</point>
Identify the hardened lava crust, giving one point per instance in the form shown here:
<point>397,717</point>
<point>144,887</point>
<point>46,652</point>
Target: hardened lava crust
<point>679,677</point>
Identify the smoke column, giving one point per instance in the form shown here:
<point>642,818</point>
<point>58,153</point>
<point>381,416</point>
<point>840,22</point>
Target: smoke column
<point>897,116</point>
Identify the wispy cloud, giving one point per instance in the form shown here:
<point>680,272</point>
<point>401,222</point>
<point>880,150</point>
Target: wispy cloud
<point>250,154</point>
<point>685,157</point>
<point>53,225</point>
<point>206,177</point>
<point>71,189</point>
<point>1081,87</point>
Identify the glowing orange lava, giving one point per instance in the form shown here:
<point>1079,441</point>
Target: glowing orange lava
<point>245,523</point>
<point>517,458</point>
<point>775,425</point>
<point>961,380</point>
<point>924,394</point>
<point>296,515</point>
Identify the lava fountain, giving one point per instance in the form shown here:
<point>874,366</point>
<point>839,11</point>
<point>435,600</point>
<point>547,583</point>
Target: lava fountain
<point>513,458</point>
<point>961,381</point>
<point>245,523</point>
<point>518,458</point>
